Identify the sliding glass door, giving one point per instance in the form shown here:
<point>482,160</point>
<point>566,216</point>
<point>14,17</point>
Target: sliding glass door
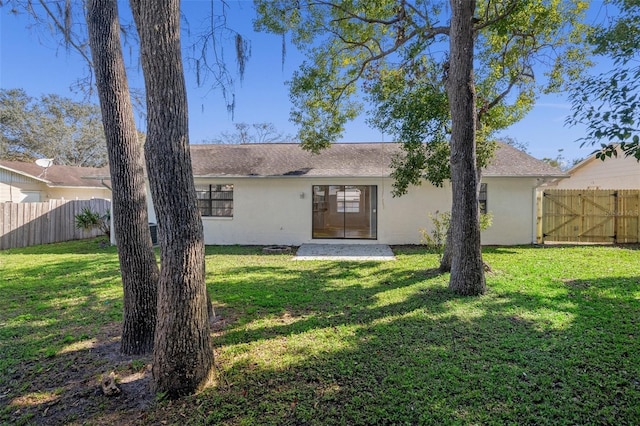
<point>345,211</point>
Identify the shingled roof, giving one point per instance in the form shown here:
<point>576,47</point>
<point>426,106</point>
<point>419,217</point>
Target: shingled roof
<point>57,175</point>
<point>340,160</point>
<point>286,159</point>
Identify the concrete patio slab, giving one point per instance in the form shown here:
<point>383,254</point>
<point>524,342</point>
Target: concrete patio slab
<point>379,252</point>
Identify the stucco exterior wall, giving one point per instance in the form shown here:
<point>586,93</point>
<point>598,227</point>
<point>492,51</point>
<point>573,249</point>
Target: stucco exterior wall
<point>279,211</point>
<point>512,202</point>
<point>614,173</point>
<point>77,193</point>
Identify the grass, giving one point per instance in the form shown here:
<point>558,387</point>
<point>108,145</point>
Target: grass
<point>556,340</point>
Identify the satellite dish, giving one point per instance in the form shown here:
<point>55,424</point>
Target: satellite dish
<point>44,162</point>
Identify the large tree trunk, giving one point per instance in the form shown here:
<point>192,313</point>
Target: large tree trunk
<point>445,260</point>
<point>183,354</point>
<point>467,273</point>
<point>131,225</point>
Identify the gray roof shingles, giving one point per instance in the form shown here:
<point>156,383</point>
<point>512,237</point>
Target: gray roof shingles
<point>340,160</point>
<point>288,159</point>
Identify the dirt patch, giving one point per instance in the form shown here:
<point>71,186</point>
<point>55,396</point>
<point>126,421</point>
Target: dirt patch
<point>66,388</point>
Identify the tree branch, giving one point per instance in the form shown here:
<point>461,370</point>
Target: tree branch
<point>65,31</point>
<point>492,20</point>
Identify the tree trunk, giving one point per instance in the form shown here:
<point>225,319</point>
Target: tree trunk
<point>183,354</point>
<point>130,220</point>
<point>445,261</point>
<point>467,273</point>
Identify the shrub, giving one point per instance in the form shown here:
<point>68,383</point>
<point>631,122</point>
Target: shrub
<point>437,238</point>
<point>89,220</point>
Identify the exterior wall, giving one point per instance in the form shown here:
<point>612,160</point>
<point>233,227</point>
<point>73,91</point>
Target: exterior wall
<point>77,193</point>
<point>279,211</point>
<point>613,173</point>
<point>14,193</point>
<point>512,202</point>
<point>24,192</point>
<point>18,189</point>
<point>17,192</point>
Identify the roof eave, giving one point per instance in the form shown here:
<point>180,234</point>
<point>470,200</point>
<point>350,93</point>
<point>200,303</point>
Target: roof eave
<point>539,176</point>
<point>288,176</point>
<point>75,186</point>
<point>25,174</point>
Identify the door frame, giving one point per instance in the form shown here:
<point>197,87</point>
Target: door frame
<point>326,206</point>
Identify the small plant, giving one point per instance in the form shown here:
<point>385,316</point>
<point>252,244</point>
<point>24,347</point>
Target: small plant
<point>137,364</point>
<point>437,238</point>
<point>438,235</point>
<point>89,220</point>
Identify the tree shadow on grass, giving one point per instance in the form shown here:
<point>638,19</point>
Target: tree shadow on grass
<point>65,388</point>
<point>46,306</point>
<point>338,343</point>
<point>434,358</point>
<point>58,335</point>
<point>298,305</point>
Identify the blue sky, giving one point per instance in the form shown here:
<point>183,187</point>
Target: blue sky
<point>31,59</point>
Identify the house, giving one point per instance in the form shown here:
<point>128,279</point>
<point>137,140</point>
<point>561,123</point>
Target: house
<point>280,194</point>
<point>614,173</point>
<point>22,182</point>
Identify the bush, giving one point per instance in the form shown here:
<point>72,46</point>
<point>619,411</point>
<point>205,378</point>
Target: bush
<point>89,220</point>
<point>437,238</point>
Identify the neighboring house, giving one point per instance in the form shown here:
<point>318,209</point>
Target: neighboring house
<point>280,194</point>
<point>27,182</point>
<point>613,173</point>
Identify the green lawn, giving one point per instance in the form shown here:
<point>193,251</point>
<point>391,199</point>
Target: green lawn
<point>556,340</point>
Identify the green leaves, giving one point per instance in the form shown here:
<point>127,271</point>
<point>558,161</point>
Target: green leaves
<point>608,104</point>
<point>619,37</point>
<point>89,220</point>
<point>396,55</point>
<point>51,127</point>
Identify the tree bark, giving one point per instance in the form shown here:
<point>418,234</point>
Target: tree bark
<point>138,264</point>
<point>183,354</point>
<point>467,273</point>
<point>445,261</point>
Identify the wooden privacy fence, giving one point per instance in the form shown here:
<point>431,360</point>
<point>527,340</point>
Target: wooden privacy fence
<point>589,216</point>
<point>28,224</point>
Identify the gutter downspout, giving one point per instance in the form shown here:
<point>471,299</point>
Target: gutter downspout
<point>105,185</point>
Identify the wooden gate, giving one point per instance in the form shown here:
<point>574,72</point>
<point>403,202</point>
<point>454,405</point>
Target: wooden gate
<point>589,216</point>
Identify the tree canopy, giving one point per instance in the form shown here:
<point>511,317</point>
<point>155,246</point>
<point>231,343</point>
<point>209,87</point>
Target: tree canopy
<point>52,126</point>
<point>608,104</point>
<point>430,94</point>
<point>252,133</point>
<point>394,56</point>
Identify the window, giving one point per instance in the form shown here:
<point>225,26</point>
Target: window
<point>215,200</point>
<point>348,200</point>
<point>482,198</point>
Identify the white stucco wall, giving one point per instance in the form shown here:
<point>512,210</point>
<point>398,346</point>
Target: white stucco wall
<point>613,173</point>
<point>274,211</point>
<point>77,193</point>
<point>512,202</point>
